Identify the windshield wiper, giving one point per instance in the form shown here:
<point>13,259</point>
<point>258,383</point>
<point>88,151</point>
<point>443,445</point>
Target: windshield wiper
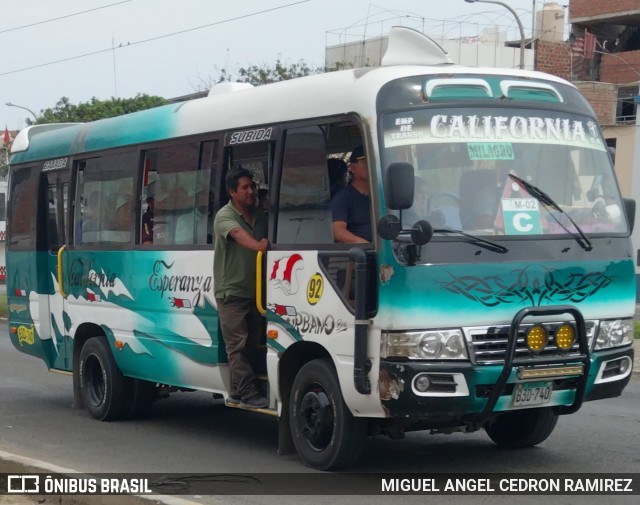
<point>547,201</point>
<point>487,244</point>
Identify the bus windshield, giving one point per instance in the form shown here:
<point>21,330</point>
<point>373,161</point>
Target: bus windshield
<point>465,161</point>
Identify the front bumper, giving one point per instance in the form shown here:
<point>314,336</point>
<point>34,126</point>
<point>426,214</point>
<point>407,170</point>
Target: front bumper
<point>461,391</point>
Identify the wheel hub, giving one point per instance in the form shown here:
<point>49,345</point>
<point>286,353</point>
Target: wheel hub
<point>316,418</point>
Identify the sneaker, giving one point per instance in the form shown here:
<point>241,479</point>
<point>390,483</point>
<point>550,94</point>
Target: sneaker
<point>255,402</point>
<point>233,399</point>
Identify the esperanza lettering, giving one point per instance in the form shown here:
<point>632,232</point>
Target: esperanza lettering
<point>87,276</point>
<point>160,281</point>
<point>515,127</point>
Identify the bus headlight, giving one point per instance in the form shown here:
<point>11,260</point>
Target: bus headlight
<point>614,333</point>
<point>432,344</point>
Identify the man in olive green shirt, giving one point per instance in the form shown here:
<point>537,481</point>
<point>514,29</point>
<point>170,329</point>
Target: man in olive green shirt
<point>240,231</point>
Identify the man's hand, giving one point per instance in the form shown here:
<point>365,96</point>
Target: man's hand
<point>263,245</point>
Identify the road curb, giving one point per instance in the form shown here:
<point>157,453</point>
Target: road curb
<point>14,463</point>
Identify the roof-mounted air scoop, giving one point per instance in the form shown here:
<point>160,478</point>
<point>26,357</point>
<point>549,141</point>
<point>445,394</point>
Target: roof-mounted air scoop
<point>411,47</point>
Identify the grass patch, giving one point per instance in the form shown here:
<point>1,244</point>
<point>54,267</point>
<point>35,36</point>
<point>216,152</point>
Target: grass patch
<point>4,312</point>
<point>636,330</point>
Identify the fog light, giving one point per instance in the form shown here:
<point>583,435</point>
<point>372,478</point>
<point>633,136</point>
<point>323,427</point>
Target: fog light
<point>624,365</point>
<point>422,383</point>
<point>536,338</point>
<point>565,337</point>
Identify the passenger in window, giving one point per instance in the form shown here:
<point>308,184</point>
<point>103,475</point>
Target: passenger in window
<point>350,207</point>
<point>147,222</point>
<point>120,228</point>
<point>191,227</point>
<point>240,230</point>
<point>90,222</point>
<point>337,174</point>
<point>91,212</point>
<point>123,212</point>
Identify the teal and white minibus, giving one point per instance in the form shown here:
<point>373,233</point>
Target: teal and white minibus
<point>497,293</point>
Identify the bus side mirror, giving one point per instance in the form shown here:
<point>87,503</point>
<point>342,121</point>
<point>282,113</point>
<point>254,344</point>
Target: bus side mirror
<point>422,232</point>
<point>630,210</point>
<point>398,186</point>
<point>389,227</point>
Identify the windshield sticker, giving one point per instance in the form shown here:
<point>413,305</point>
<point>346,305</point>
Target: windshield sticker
<point>404,129</point>
<point>490,151</point>
<point>484,129</point>
<point>521,216</point>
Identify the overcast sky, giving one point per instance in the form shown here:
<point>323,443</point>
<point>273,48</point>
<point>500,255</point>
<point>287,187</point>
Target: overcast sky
<point>170,48</point>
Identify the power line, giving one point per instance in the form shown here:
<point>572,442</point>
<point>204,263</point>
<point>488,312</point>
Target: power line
<point>61,17</point>
<point>129,44</point>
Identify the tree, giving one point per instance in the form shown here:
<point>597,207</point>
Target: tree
<point>66,112</point>
<point>258,75</point>
<point>4,168</point>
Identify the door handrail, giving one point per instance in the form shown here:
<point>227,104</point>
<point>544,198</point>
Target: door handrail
<point>60,277</point>
<point>259,305</point>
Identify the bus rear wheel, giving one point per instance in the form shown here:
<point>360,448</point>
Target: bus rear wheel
<point>522,428</point>
<point>325,433</point>
<point>102,385</point>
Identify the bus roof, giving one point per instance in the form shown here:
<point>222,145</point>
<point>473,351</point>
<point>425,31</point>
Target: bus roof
<point>332,93</point>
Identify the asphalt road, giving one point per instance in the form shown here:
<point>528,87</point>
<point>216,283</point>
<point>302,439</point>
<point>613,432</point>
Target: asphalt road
<point>192,433</point>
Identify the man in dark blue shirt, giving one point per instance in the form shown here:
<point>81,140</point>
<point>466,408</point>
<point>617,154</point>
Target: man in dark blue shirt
<point>350,207</point>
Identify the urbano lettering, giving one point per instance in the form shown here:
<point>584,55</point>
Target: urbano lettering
<point>310,323</point>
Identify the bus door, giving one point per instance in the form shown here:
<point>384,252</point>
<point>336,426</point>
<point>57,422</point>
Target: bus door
<point>53,230</point>
<point>308,278</point>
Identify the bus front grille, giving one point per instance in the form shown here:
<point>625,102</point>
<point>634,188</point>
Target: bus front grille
<point>488,344</point>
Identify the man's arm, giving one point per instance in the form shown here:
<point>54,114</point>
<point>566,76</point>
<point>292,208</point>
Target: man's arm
<point>341,234</point>
<point>244,238</point>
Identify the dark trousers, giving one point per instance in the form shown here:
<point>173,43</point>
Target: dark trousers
<point>242,330</point>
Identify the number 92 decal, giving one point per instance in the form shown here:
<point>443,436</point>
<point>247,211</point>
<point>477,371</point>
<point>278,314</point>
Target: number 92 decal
<point>315,288</point>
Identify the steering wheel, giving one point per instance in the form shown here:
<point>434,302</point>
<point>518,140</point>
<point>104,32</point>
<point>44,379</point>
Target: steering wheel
<point>443,194</point>
<point>444,214</point>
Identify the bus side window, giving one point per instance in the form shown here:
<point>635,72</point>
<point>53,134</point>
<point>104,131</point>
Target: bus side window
<point>104,199</point>
<point>176,195</point>
<point>22,208</point>
<point>304,211</point>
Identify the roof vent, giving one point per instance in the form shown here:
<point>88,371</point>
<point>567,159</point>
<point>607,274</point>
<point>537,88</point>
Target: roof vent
<point>228,87</point>
<point>411,47</point>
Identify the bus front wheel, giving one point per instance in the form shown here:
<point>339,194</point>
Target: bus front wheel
<point>102,385</point>
<point>325,434</point>
<point>522,428</point>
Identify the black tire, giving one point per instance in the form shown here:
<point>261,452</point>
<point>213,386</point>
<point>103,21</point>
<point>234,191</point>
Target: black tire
<point>522,428</point>
<point>325,434</point>
<point>104,389</point>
